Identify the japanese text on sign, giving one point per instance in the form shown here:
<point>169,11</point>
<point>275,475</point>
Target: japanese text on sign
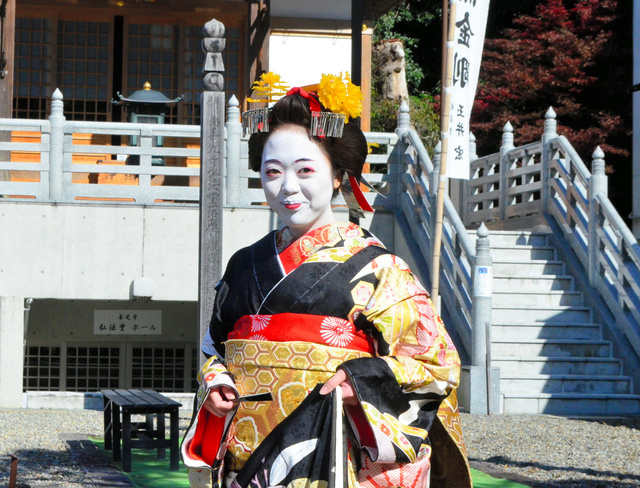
<point>127,322</point>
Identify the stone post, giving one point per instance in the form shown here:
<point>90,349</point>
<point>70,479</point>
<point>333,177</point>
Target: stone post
<point>56,147</point>
<point>211,172</point>
<point>473,155</point>
<point>550,128</point>
<point>459,192</point>
<point>505,147</point>
<point>404,119</point>
<point>11,351</point>
<point>397,158</point>
<point>480,390</point>
<point>597,186</point>
<point>482,289</point>
<point>234,136</point>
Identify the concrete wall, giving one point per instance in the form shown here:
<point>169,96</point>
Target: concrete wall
<point>11,351</point>
<point>94,252</point>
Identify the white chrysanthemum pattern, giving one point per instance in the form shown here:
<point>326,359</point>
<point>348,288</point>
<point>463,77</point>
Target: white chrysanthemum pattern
<point>259,322</point>
<point>337,332</point>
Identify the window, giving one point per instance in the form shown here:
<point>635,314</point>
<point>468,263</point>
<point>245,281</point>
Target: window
<point>86,367</point>
<point>161,368</point>
<point>92,368</point>
<point>42,368</point>
<point>83,69</point>
<point>82,58</point>
<point>33,67</point>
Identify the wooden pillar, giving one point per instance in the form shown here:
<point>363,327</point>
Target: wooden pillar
<point>259,29</point>
<point>357,15</point>
<point>365,81</point>
<point>8,11</point>
<point>635,184</point>
<point>211,173</point>
<point>6,77</point>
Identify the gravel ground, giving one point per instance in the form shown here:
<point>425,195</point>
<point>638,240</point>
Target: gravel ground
<point>558,452</point>
<point>549,451</point>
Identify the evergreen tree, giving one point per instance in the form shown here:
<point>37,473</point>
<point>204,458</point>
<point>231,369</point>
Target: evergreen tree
<point>417,23</point>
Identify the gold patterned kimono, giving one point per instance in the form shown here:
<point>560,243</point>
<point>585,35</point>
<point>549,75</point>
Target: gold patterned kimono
<point>288,314</point>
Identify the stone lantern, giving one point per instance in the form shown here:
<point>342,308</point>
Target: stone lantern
<point>146,106</point>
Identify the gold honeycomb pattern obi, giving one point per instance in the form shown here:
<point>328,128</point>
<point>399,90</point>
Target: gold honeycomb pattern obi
<point>289,370</point>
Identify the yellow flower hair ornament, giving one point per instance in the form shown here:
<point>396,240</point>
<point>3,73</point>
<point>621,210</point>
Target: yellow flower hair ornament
<point>269,88</point>
<point>338,94</point>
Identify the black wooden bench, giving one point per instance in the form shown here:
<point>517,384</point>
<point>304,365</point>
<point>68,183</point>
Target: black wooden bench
<point>140,434</point>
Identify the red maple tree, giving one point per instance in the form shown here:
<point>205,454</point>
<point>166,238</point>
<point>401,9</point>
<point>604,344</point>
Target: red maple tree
<point>567,55</point>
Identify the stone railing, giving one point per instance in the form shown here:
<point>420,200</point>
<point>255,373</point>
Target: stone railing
<point>548,178</point>
<point>53,165</point>
<point>458,256</point>
<point>597,234</point>
<point>64,161</point>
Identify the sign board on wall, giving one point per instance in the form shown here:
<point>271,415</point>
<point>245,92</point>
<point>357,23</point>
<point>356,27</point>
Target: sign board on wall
<point>127,322</point>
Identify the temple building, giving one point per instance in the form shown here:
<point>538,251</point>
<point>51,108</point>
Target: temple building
<point>106,291</point>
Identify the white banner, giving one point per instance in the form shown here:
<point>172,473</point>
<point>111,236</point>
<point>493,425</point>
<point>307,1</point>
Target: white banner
<point>464,55</point>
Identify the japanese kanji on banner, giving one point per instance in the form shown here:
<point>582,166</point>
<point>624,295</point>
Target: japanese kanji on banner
<point>465,55</point>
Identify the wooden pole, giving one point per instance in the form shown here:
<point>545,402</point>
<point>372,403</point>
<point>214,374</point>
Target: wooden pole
<point>211,173</point>
<point>357,12</point>
<point>443,62</point>
<point>449,28</point>
<point>8,9</point>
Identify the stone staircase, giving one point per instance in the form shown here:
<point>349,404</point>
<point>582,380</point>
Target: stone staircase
<point>551,354</point>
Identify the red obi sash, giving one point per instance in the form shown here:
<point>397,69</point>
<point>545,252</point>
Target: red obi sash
<point>290,327</point>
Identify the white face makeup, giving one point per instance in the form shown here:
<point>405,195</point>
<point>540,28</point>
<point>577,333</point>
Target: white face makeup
<point>298,180</point>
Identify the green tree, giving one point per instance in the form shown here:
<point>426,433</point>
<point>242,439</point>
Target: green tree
<point>417,24</point>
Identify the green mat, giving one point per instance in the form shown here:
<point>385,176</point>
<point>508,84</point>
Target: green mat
<point>149,472</point>
<point>483,480</point>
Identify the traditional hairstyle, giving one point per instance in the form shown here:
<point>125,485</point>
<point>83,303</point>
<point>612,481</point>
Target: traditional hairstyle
<point>347,154</point>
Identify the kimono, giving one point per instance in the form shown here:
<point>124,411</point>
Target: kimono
<point>288,313</point>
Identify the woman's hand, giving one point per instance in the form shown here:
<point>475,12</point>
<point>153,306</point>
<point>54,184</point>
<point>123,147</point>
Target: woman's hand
<point>348,393</point>
<point>220,400</point>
